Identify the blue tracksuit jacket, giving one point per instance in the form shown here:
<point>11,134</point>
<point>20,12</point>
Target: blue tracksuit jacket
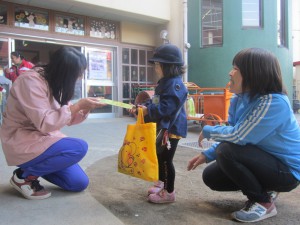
<point>266,121</point>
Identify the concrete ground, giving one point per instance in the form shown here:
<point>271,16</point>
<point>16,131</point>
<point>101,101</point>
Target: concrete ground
<point>113,198</point>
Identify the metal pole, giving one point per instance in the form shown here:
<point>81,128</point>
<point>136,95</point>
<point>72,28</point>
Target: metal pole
<point>186,45</point>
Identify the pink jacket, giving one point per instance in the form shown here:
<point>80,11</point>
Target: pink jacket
<point>32,119</point>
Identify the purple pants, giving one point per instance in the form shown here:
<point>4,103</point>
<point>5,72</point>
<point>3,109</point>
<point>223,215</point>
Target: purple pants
<point>59,164</point>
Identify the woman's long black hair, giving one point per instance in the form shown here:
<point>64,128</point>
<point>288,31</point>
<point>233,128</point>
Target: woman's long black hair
<point>66,65</point>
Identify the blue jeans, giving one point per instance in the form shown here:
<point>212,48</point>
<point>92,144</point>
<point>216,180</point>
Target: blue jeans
<point>249,169</point>
<point>59,164</point>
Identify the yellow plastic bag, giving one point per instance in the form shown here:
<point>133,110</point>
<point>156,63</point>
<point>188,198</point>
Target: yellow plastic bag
<point>137,156</point>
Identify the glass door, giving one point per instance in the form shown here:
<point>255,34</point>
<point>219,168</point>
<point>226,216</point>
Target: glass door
<point>100,79</point>
<point>5,63</point>
<point>4,55</point>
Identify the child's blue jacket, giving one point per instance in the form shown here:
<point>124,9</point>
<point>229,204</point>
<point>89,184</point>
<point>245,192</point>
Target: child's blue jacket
<point>170,93</point>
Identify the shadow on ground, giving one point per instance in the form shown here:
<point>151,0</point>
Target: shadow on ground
<point>126,198</point>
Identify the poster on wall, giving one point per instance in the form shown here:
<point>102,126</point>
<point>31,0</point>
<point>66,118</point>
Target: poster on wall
<point>31,18</point>
<point>97,65</point>
<point>3,14</point>
<point>103,29</point>
<point>69,24</point>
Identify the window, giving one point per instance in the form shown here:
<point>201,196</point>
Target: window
<point>212,22</point>
<point>3,14</point>
<point>251,13</point>
<point>31,18</point>
<point>100,77</point>
<point>100,64</point>
<point>137,73</point>
<point>281,23</point>
<point>103,29</point>
<point>69,24</point>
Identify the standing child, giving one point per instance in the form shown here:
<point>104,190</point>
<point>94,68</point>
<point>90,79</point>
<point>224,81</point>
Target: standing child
<point>19,66</point>
<point>170,95</point>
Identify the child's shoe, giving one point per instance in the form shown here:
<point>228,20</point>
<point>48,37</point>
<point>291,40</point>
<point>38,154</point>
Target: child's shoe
<point>158,186</point>
<point>162,197</point>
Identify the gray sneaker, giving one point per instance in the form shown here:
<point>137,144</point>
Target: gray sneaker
<point>273,195</point>
<point>254,211</point>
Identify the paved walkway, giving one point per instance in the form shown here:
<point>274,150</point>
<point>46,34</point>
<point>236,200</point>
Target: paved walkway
<point>63,208</point>
<point>105,137</point>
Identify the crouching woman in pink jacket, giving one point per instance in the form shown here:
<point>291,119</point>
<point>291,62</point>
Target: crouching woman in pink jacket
<point>37,108</point>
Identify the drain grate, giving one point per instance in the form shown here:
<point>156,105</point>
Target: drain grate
<point>193,145</point>
<point>205,144</point>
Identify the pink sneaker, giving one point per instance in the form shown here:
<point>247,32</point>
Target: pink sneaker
<point>162,197</point>
<point>29,187</point>
<point>158,186</point>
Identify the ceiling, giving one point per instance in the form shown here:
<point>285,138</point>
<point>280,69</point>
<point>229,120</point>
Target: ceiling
<point>75,7</point>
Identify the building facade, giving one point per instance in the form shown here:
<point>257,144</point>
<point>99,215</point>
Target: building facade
<point>218,29</point>
<point>117,38</point>
<point>296,30</point>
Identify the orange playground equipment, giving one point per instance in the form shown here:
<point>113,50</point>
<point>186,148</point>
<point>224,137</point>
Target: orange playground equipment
<point>208,106</point>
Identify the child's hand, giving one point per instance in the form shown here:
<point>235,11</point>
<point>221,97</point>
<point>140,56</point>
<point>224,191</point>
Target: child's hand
<point>132,110</point>
<point>145,110</point>
<point>7,70</point>
<point>135,107</point>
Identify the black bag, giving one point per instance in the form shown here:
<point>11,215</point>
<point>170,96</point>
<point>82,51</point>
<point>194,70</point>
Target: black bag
<point>162,140</point>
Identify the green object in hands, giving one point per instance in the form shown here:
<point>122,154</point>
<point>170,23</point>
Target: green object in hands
<point>116,103</point>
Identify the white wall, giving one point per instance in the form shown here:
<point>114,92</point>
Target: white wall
<point>152,8</point>
<point>146,34</point>
<point>135,33</point>
<point>170,12</point>
<point>296,30</point>
<point>175,27</point>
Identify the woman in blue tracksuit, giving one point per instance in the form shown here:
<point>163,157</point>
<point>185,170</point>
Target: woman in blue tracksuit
<point>170,95</point>
<point>259,152</point>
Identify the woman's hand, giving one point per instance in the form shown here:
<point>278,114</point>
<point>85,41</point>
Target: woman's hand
<point>86,105</point>
<point>90,103</point>
<point>196,161</point>
<point>200,139</point>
